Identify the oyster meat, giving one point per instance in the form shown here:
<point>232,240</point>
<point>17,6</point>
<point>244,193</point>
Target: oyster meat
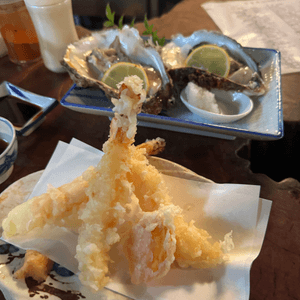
<point>244,75</point>
<point>88,59</point>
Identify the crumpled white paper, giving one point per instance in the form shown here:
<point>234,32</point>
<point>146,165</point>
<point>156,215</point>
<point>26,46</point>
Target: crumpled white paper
<point>218,208</point>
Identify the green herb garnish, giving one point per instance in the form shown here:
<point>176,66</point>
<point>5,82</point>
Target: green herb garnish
<point>149,31</point>
<point>111,19</point>
<point>121,22</point>
<point>110,16</point>
<point>132,22</point>
<point>149,28</point>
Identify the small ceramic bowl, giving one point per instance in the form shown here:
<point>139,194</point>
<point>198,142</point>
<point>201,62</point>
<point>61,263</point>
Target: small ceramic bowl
<point>233,105</point>
<point>9,155</point>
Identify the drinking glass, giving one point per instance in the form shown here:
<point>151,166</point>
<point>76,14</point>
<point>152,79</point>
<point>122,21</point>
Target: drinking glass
<point>18,32</point>
<point>55,27</point>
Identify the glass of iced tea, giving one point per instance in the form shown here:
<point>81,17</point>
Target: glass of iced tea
<point>18,32</point>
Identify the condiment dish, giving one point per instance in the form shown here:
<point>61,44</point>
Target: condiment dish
<point>233,106</point>
<point>9,153</point>
<point>25,110</point>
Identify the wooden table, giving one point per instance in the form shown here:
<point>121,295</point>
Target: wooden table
<point>275,273</point>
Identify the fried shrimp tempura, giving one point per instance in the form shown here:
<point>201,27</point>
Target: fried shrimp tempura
<point>149,185</point>
<point>193,247</point>
<point>148,235</point>
<point>150,244</point>
<point>36,266</point>
<point>58,206</point>
<point>153,147</point>
<point>109,190</point>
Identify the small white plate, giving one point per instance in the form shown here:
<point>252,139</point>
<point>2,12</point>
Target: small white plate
<point>233,105</point>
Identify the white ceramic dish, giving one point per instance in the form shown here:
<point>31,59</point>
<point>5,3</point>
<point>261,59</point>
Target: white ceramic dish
<point>234,278</point>
<point>61,284</point>
<point>234,106</point>
<point>265,122</point>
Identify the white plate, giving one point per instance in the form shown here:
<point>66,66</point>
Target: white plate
<point>64,287</point>
<point>264,123</point>
<point>233,105</point>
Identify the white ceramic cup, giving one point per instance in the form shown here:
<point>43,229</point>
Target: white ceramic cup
<point>9,155</point>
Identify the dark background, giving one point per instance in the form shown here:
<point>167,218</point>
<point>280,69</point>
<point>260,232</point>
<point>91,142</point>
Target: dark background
<point>91,13</point>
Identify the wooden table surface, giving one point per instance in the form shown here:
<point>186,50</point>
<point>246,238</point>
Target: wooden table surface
<point>275,273</point>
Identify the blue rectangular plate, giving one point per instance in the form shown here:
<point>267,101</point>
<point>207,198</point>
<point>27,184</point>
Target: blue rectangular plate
<point>265,122</point>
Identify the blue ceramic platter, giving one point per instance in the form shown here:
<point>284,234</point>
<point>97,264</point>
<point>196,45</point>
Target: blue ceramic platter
<point>265,122</point>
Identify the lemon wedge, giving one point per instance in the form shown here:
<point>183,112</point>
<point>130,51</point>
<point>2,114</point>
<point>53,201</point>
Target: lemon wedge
<point>211,58</point>
<point>117,72</point>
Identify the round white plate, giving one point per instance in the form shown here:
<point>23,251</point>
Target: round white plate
<point>60,284</point>
<point>233,105</point>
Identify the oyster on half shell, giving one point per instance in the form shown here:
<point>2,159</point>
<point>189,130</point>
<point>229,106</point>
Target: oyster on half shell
<point>244,73</point>
<point>87,59</point>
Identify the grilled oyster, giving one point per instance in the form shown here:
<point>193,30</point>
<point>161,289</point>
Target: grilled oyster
<point>244,75</point>
<point>88,59</point>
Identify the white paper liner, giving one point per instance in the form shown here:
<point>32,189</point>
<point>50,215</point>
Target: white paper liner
<point>271,24</point>
<point>218,208</point>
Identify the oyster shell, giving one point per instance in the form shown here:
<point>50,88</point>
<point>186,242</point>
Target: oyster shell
<point>244,73</point>
<point>87,59</point>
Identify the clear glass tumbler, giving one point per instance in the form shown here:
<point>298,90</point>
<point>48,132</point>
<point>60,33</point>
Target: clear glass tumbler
<point>18,32</point>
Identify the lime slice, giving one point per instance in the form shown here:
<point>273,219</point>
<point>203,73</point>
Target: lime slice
<point>211,58</point>
<point>117,72</point>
